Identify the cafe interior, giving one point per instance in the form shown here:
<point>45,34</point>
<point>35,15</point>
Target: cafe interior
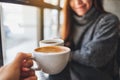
<point>23,23</point>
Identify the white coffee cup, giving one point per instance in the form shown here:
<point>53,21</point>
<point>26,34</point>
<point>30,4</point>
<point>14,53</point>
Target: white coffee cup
<point>51,42</point>
<point>51,59</point>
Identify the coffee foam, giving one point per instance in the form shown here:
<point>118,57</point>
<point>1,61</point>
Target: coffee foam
<point>51,49</point>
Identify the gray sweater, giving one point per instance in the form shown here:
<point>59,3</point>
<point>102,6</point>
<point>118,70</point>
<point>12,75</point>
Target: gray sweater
<point>94,48</point>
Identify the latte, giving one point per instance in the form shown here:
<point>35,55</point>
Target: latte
<point>50,49</point>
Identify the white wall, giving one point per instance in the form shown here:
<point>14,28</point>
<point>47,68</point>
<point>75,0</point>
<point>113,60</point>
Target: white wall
<point>112,6</point>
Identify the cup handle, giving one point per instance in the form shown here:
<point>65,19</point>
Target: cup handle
<point>37,68</point>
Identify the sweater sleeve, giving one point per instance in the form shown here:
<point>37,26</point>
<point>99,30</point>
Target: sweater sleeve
<point>101,49</point>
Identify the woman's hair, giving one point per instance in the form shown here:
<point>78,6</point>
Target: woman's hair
<point>67,28</point>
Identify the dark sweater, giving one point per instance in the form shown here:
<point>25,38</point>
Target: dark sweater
<point>94,49</point>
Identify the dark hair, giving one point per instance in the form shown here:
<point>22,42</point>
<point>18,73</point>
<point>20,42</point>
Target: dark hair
<point>98,4</point>
<point>67,28</point>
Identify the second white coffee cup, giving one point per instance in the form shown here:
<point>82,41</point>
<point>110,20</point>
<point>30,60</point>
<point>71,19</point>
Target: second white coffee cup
<point>51,42</point>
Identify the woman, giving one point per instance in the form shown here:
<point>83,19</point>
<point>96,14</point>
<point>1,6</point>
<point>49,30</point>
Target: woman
<point>92,35</point>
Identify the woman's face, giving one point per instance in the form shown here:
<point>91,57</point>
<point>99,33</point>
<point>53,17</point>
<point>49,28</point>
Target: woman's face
<point>80,7</point>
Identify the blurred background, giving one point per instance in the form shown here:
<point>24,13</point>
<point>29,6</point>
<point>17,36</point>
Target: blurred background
<point>23,23</point>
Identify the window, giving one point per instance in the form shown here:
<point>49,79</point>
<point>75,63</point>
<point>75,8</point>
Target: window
<point>50,23</point>
<point>61,3</point>
<point>20,28</point>
<point>51,19</point>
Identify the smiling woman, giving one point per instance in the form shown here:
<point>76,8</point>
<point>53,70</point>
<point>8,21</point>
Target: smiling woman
<point>92,34</point>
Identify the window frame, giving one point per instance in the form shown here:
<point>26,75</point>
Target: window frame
<point>41,5</point>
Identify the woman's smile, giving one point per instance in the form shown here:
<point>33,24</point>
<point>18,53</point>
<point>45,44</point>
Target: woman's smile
<point>80,7</point>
